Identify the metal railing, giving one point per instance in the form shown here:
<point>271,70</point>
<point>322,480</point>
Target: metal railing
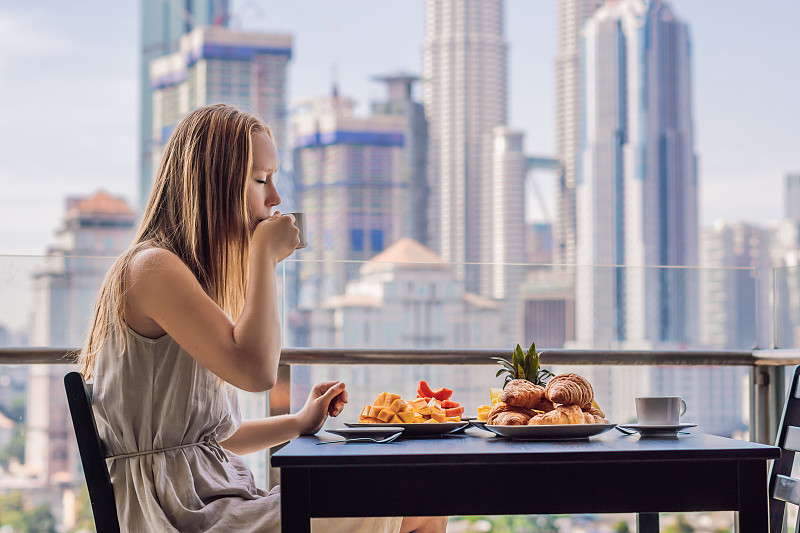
<point>767,387</point>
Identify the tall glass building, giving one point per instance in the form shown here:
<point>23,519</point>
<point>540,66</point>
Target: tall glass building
<point>465,92</point>
<point>572,15</point>
<point>162,25</point>
<point>637,187</point>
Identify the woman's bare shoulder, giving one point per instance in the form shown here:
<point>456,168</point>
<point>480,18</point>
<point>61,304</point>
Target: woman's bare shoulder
<point>152,271</point>
<point>154,260</point>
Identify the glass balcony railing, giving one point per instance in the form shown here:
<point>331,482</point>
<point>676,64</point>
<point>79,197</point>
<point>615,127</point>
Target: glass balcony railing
<point>383,326</point>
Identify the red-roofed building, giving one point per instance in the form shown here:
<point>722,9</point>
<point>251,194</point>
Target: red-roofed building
<point>96,230</point>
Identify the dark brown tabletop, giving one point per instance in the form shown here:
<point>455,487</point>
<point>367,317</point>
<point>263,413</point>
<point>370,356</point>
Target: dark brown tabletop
<point>478,473</point>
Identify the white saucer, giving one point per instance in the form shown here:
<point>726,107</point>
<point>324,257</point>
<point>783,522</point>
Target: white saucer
<point>658,429</point>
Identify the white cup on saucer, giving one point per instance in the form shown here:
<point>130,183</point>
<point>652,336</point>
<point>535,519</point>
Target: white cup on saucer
<point>659,410</point>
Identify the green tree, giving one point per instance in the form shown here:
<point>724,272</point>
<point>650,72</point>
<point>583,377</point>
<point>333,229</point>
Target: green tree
<point>621,527</point>
<point>15,410</point>
<point>15,447</point>
<point>40,520</point>
<point>11,510</point>
<point>680,526</point>
<point>14,513</point>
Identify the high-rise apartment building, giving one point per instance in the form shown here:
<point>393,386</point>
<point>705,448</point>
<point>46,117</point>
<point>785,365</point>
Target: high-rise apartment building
<point>465,92</point>
<point>503,215</point>
<point>547,308</point>
<point>213,65</point>
<point>399,102</point>
<point>162,24</point>
<point>734,285</point>
<point>637,186</point>
<point>96,230</point>
<point>503,228</point>
<point>351,180</point>
<point>572,15</point>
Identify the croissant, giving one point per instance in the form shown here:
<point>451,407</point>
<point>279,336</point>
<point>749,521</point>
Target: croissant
<point>544,405</point>
<point>509,418</point>
<point>502,407</point>
<point>563,414</point>
<point>596,412</point>
<point>522,393</point>
<point>569,389</point>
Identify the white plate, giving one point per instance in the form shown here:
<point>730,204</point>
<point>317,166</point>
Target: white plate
<point>373,432</point>
<point>417,430</point>
<point>648,430</point>
<point>549,432</point>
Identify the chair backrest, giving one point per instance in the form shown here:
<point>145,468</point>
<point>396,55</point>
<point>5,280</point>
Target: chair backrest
<point>783,487</point>
<point>101,492</point>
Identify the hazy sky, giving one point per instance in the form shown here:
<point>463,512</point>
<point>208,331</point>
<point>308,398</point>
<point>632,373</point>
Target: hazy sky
<point>69,103</point>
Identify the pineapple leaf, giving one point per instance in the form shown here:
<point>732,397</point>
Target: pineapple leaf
<point>518,359</point>
<point>501,371</point>
<point>505,363</point>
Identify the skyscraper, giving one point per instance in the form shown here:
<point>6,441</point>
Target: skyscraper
<point>399,102</point>
<point>465,92</point>
<point>352,182</point>
<point>734,285</point>
<point>503,214</point>
<point>637,187</point>
<point>162,25</point>
<point>572,15</point>
<point>215,64</point>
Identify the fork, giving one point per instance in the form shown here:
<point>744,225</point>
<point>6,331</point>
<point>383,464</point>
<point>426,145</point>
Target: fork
<point>384,440</point>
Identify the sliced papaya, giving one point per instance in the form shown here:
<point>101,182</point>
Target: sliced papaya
<point>442,394</point>
<point>423,390</point>
<point>454,411</point>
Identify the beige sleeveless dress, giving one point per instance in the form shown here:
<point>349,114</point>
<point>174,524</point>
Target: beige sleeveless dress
<point>161,416</point>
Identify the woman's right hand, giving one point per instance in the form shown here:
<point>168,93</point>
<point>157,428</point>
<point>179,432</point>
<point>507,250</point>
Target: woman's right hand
<point>277,236</point>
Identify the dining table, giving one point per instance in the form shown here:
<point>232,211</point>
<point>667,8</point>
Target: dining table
<point>475,472</point>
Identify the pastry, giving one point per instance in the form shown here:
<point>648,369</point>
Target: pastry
<point>563,414</point>
<point>544,405</point>
<point>522,393</point>
<point>570,389</point>
<point>509,418</point>
<point>596,412</point>
<point>502,407</point>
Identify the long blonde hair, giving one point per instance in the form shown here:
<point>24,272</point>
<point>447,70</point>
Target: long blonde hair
<point>198,211</point>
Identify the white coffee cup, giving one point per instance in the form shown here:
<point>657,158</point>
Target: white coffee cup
<point>300,222</point>
<point>660,410</point>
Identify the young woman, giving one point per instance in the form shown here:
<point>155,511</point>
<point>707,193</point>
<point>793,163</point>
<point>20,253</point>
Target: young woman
<point>189,312</point>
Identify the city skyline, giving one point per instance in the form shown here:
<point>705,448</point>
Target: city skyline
<point>92,116</point>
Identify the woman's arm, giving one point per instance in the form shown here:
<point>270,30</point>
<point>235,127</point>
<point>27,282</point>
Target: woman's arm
<point>164,296</point>
<point>255,435</point>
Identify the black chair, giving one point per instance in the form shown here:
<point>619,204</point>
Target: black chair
<point>101,492</point>
<point>783,487</point>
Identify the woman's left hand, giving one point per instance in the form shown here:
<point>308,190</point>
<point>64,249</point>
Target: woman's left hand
<point>326,398</point>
